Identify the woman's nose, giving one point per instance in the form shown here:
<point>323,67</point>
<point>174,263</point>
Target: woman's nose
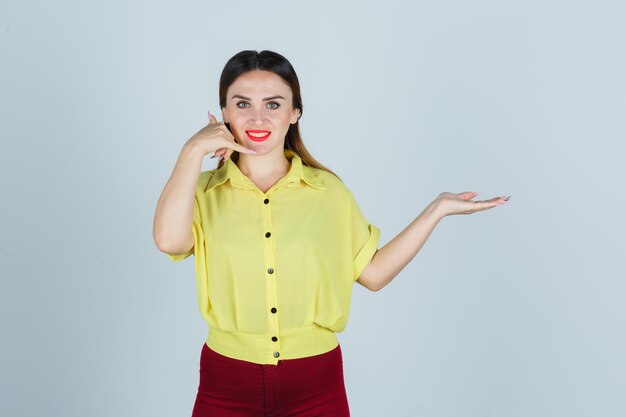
<point>259,117</point>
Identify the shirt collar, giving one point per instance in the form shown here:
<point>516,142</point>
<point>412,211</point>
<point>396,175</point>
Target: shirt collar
<point>297,171</point>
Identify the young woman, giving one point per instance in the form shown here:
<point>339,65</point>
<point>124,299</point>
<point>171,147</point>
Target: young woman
<point>278,241</point>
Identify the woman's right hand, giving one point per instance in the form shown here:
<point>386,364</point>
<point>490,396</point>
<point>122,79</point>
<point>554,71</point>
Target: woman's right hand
<point>215,137</point>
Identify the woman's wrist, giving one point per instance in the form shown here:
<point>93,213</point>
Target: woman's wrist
<point>436,209</point>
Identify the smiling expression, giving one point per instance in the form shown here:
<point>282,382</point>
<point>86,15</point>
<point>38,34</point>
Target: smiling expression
<point>259,110</point>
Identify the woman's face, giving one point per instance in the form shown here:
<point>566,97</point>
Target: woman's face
<point>259,101</point>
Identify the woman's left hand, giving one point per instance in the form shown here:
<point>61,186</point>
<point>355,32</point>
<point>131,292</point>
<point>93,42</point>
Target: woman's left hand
<point>462,203</point>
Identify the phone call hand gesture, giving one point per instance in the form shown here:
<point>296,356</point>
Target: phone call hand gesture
<point>217,139</point>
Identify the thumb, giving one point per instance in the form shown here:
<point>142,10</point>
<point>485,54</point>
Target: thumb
<point>241,148</point>
<point>468,195</point>
<point>212,119</point>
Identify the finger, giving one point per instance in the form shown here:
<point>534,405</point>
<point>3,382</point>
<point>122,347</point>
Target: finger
<point>502,200</point>
<point>230,151</point>
<point>482,206</point>
<point>497,200</point>
<point>227,132</point>
<point>212,119</point>
<point>492,202</point>
<point>237,147</point>
<point>219,152</point>
<point>467,195</point>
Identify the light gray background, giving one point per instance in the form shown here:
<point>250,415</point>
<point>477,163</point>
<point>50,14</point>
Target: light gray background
<point>515,311</point>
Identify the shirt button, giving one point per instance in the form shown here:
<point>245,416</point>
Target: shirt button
<point>268,234</point>
<point>267,200</point>
<point>273,310</point>
<point>274,338</point>
<point>270,270</point>
<point>276,354</point>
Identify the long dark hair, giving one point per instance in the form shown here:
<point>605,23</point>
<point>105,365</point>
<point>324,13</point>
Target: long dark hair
<point>251,60</point>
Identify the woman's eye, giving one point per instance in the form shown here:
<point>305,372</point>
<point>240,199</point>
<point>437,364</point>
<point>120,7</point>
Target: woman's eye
<point>269,104</point>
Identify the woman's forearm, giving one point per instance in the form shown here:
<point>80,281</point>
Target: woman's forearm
<point>174,212</point>
<point>395,255</point>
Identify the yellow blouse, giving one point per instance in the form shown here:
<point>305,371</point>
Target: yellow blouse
<point>275,270</point>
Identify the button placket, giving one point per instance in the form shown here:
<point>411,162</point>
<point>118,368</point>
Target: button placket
<point>270,283</point>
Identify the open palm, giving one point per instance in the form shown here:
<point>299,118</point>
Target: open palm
<point>462,203</point>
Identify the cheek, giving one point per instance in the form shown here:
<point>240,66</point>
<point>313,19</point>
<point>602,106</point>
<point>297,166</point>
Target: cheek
<point>284,120</point>
<point>236,126</point>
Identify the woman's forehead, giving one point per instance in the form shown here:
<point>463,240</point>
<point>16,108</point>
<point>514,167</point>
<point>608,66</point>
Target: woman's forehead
<point>259,84</point>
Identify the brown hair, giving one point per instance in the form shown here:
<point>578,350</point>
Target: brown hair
<point>251,60</point>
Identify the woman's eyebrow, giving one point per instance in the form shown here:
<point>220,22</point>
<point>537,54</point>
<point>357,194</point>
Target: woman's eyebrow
<point>265,99</point>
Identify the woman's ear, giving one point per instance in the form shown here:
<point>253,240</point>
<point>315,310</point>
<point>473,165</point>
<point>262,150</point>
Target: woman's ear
<point>295,115</point>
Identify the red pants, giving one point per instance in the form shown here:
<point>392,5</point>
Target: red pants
<point>302,387</point>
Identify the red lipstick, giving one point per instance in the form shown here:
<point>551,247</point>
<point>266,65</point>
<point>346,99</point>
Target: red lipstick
<point>258,133</point>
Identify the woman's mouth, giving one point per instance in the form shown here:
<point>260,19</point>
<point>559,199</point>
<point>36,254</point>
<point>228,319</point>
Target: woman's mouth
<point>258,135</point>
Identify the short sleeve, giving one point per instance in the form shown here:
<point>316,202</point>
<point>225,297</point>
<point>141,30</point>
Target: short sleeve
<point>364,239</point>
<point>195,228</point>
